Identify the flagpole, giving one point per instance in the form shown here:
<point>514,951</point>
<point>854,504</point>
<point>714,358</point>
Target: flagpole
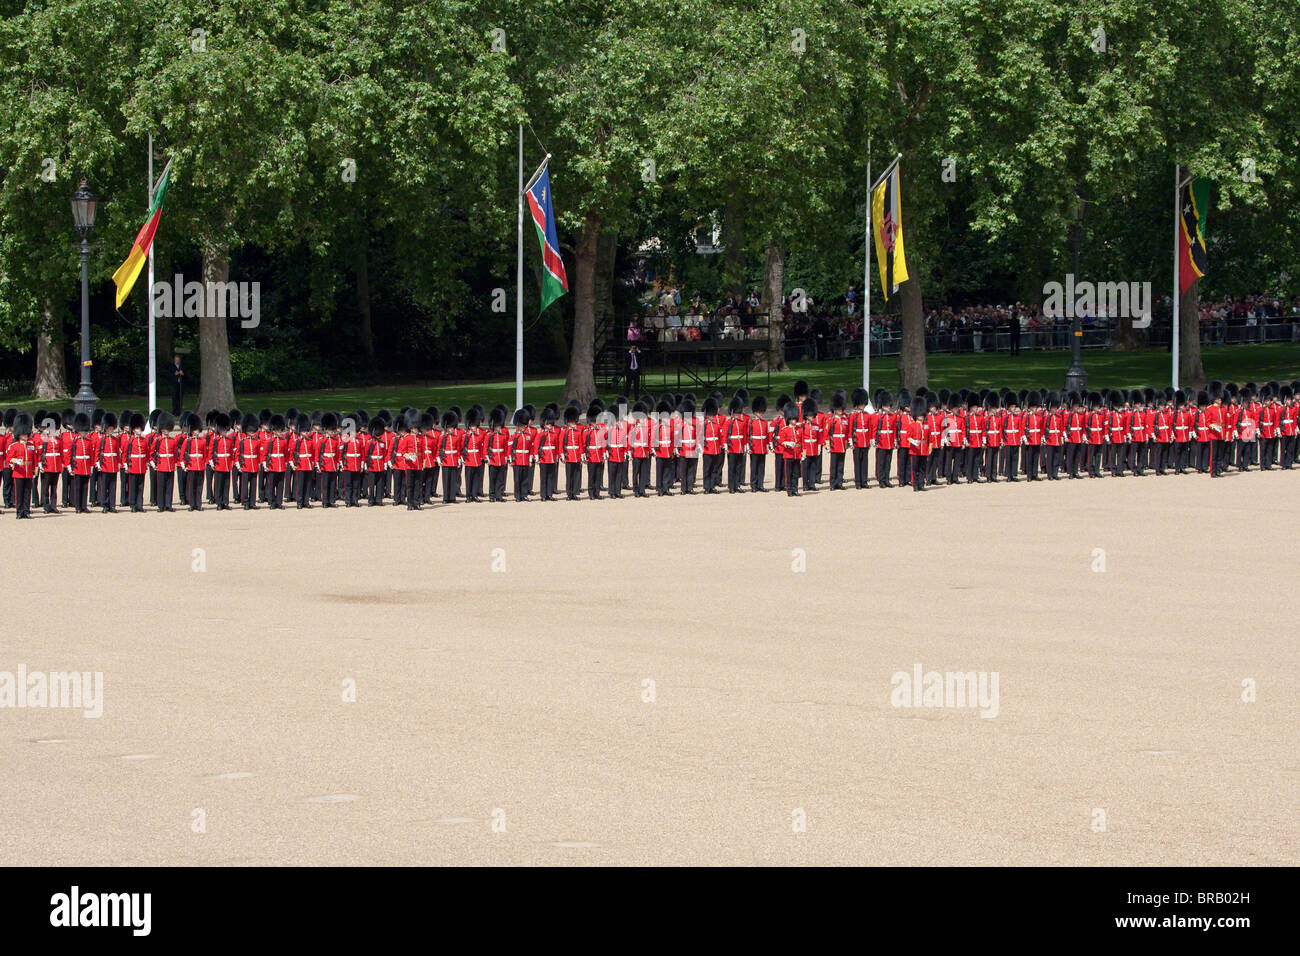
<point>866,291</point>
<point>153,347</point>
<point>519,288</point>
<point>1178,174</point>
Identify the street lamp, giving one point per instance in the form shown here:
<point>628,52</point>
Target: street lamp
<point>1076,379</point>
<point>84,203</point>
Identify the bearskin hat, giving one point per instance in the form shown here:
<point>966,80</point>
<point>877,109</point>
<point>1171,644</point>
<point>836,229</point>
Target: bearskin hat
<point>81,422</point>
<point>809,407</point>
<point>277,423</point>
<point>497,417</point>
<point>302,422</point>
<point>801,389</point>
<point>790,412</point>
<point>757,404</point>
<point>859,397</point>
<point>426,421</point>
<point>137,421</point>
<point>918,406</point>
<point>474,416</point>
<point>547,417</point>
<point>109,420</point>
<point>22,425</point>
<point>222,422</point>
<point>735,406</point>
<point>837,400</point>
<point>593,412</point>
<point>640,408</point>
<point>571,414</point>
<point>710,406</point>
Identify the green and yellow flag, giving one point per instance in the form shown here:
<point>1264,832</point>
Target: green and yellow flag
<point>887,226</point>
<point>126,274</point>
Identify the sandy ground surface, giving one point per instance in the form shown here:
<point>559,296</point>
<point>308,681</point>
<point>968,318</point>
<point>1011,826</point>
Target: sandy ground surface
<point>520,696</point>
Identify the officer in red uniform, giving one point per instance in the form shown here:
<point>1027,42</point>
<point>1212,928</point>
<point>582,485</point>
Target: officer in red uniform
<point>473,452</point>
<point>1076,435</point>
<point>221,455</point>
<point>51,449</point>
<point>277,462</point>
<point>594,435</point>
<point>1212,420</point>
<point>521,453</point>
<point>974,437</point>
<point>497,454</point>
<point>688,449</point>
<point>81,462</point>
<point>108,462</point>
<point>839,438</point>
<point>550,436</point>
<point>1163,434</point>
<point>194,460</point>
<point>665,447</point>
<point>861,432</point>
<point>1270,428</point>
<point>21,462</point>
<point>248,461</point>
<point>759,440</point>
<point>642,437</point>
<point>1096,434</point>
<point>166,458</point>
<point>918,442</point>
<point>993,418</point>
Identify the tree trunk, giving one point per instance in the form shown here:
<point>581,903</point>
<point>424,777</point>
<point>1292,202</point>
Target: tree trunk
<point>606,252</point>
<point>1190,370</point>
<point>912,372</point>
<point>773,294</point>
<point>51,375</point>
<point>216,389</point>
<point>581,383</point>
<point>363,305</point>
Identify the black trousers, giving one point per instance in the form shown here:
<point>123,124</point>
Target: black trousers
<point>991,462</point>
<point>884,458</point>
<point>735,470</point>
<point>1052,461</point>
<point>521,481</point>
<point>248,491</point>
<point>918,471</point>
<point>329,481</point>
<point>153,486</point>
<point>640,476</point>
<point>666,472</point>
<point>194,490</point>
<point>221,489</point>
<point>594,472</point>
<point>812,470</point>
<point>7,487</point>
<point>859,467</point>
<point>107,489</point>
<point>712,476</point>
<point>1032,453</point>
<point>837,470</point>
<point>572,479</point>
<point>549,474</point>
<point>135,491</point>
<point>166,482</point>
<point>275,489</point>
<point>67,489</point>
<point>497,482</point>
<point>474,482</point>
<point>50,491</point>
<point>22,490</point>
<point>791,468</point>
<point>616,472</point>
<point>974,457</point>
<point>1010,461</point>
<point>686,468</point>
<point>451,482</point>
<point>80,489</point>
<point>757,465</point>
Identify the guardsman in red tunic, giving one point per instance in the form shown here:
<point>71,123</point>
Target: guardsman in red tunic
<point>1033,424</point>
<point>1289,426</point>
<point>1137,433</point>
<point>277,462</point>
<point>992,435</point>
<point>430,437</point>
<point>902,421</point>
<point>735,439</point>
<point>221,453</point>
<point>823,419</point>
<point>790,442</point>
<point>135,462</point>
<point>885,428</point>
<point>642,437</point>
<point>757,427</point>
<point>548,453</point>
<point>1096,433</point>
<point>378,463</point>
<point>688,451</point>
<point>1163,435</point>
<point>974,437</point>
<point>6,438</point>
<point>862,433</point>
<point>22,463</point>
<point>302,460</point>
<point>108,462</point>
<point>498,454</point>
<point>248,459</point>
<point>473,452</point>
<point>450,447</point>
<point>521,453</point>
<point>352,454</point>
<point>1213,417</point>
<point>1076,435</point>
<point>665,447</point>
<point>1013,436</point>
<point>65,445</point>
<point>617,448</point>
<point>194,460</point>
<point>406,459</point>
<point>1247,432</point>
<point>51,461</point>
<point>713,446</point>
<point>812,443</point>
<point>839,438</point>
<point>947,426</point>
<point>571,448</point>
<point>918,442</point>
<point>166,459</point>
<point>1270,429</point>
<point>1054,421</point>
<point>594,436</point>
<point>329,459</point>
<point>81,462</point>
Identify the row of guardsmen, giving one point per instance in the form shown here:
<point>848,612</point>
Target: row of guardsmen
<point>105,461</point>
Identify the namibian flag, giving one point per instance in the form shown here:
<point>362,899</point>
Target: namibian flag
<point>887,225</point>
<point>124,278</point>
<point>554,282</point>
<point>1192,208</point>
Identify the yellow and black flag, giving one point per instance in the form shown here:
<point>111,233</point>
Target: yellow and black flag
<point>1192,208</point>
<point>887,226</point>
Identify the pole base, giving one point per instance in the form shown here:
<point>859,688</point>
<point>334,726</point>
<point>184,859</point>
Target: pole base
<point>85,400</point>
<point>1076,379</point>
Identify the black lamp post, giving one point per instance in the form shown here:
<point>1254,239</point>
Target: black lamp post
<point>1076,379</point>
<point>84,203</point>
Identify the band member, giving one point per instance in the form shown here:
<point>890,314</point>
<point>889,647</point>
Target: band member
<point>571,449</point>
<point>735,439</point>
<point>450,446</point>
<point>108,462</point>
<point>21,463</point>
<point>642,435</point>
<point>790,442</point>
<point>194,460</point>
